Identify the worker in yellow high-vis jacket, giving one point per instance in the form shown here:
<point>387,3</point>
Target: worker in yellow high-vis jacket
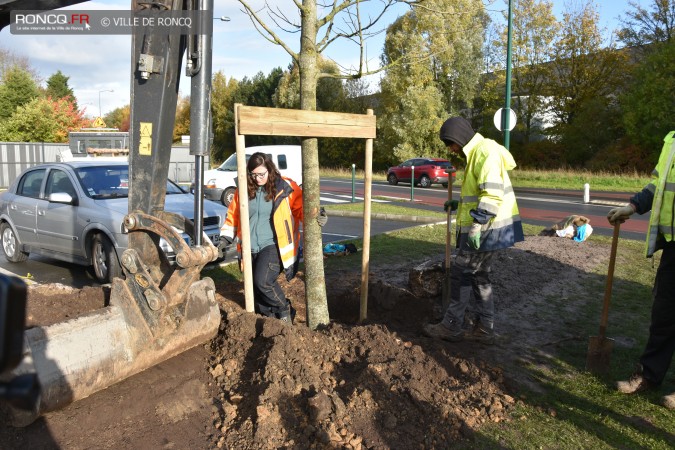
<point>659,198</point>
<point>487,221</point>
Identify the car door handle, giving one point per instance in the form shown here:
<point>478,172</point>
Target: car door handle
<point>12,207</point>
<point>41,213</point>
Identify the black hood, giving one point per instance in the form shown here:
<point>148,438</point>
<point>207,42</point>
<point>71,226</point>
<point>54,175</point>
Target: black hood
<point>458,130</point>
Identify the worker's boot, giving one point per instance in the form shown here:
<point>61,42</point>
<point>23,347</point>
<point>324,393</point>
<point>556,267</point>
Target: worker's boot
<point>669,401</point>
<point>483,333</point>
<point>288,315</point>
<point>636,383</point>
<point>440,331</point>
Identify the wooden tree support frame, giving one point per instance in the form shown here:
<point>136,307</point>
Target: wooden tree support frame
<point>253,120</point>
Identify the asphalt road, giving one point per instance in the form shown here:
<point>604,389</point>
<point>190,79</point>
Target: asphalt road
<point>539,207</point>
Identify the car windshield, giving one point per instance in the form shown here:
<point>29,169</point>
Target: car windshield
<point>101,182</point>
<point>230,164</point>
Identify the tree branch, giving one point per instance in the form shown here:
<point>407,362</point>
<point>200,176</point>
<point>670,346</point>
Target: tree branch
<point>269,35</point>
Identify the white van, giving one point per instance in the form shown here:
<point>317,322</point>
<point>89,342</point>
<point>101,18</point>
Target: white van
<point>220,183</point>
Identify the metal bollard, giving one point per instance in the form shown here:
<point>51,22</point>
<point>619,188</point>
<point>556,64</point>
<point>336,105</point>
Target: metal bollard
<point>412,184</point>
<point>353,176</point>
<point>587,193</point>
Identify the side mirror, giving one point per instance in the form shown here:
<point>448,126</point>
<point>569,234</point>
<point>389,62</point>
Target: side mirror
<point>62,197</point>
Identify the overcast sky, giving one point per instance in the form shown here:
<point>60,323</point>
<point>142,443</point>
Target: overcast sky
<point>102,63</point>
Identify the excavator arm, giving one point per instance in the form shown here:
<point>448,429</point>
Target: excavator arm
<point>159,309</point>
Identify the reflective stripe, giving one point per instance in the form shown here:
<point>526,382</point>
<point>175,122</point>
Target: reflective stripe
<point>228,231</point>
<point>491,185</point>
<point>489,207</point>
<point>655,173</point>
<point>651,187</point>
<point>670,187</point>
<point>469,199</point>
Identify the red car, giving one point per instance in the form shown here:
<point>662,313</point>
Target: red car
<point>427,172</point>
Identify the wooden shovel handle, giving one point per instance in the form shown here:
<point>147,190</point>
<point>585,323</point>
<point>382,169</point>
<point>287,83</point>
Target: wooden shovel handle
<point>608,285</point>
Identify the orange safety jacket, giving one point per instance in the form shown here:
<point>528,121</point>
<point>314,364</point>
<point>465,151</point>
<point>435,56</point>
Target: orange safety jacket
<point>286,217</point>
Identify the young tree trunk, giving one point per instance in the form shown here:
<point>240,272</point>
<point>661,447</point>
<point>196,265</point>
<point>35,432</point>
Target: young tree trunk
<point>315,282</point>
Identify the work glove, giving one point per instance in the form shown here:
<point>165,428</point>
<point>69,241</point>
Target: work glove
<point>322,218</point>
<point>452,204</point>
<point>620,215</point>
<point>223,246</point>
<point>474,236</point>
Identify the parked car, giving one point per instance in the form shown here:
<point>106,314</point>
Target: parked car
<point>73,211</point>
<point>220,183</point>
<point>428,171</point>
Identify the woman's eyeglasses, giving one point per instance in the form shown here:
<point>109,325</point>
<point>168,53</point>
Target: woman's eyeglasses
<point>258,176</point>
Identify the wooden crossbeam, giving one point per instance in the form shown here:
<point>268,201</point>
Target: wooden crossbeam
<point>254,120</point>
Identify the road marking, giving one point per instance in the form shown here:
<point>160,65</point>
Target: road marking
<point>334,234</point>
<point>331,200</point>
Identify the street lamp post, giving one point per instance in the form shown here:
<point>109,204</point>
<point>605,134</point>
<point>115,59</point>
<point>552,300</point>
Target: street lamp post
<point>100,112</point>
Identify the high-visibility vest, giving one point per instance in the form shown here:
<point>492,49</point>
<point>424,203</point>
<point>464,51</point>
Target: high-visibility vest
<point>286,216</point>
<point>487,186</point>
<point>661,225</point>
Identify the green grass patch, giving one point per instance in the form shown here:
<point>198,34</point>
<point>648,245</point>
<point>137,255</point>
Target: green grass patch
<point>387,208</point>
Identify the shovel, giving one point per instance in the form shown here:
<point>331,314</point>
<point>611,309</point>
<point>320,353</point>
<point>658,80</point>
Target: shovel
<point>445,295</point>
<point>600,347</point>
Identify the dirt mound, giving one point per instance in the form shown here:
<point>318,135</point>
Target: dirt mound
<point>344,386</point>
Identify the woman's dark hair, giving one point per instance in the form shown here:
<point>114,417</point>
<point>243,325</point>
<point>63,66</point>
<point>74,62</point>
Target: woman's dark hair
<point>261,159</point>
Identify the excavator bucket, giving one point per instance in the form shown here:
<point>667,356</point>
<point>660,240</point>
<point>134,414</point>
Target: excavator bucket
<point>144,325</point>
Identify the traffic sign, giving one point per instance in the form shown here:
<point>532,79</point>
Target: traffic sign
<point>98,123</point>
<point>498,119</point>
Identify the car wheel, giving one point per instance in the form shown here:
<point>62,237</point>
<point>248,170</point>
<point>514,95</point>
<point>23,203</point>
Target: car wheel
<point>227,197</point>
<point>425,182</point>
<point>392,179</point>
<point>10,245</point>
<point>104,259</point>
<point>445,185</point>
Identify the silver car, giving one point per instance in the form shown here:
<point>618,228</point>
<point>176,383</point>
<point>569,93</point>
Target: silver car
<point>74,211</point>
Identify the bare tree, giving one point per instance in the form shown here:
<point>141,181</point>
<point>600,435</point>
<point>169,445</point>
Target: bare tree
<point>319,26</point>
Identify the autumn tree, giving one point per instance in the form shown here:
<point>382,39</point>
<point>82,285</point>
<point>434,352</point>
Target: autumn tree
<point>648,102</point>
<point>119,118</point>
<point>181,125</point>
<point>222,116</point>
<point>433,59</point>
<point>17,89</point>
<point>534,29</point>
<point>642,26</point>
<point>42,120</point>
<point>586,77</point>
<point>318,26</point>
<point>57,87</point>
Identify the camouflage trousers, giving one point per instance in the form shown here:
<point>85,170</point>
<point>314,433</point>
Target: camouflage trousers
<point>471,275</point>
